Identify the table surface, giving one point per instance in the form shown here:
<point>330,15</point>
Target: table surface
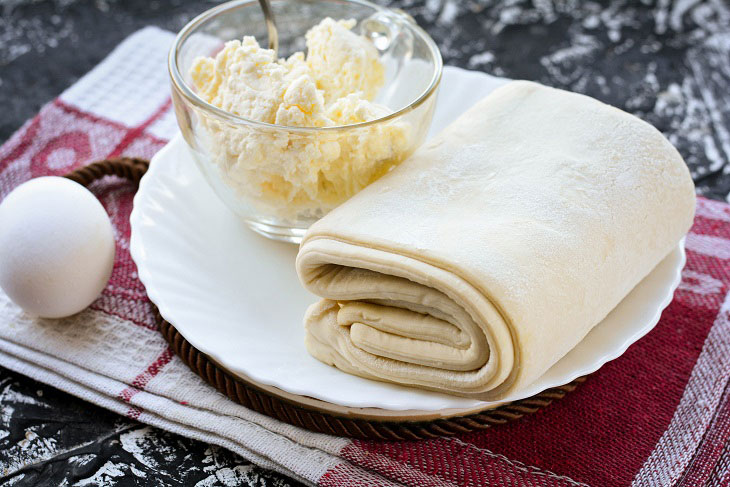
<point>668,62</point>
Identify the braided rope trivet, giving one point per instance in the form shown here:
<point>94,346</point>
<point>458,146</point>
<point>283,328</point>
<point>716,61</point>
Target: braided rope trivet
<point>131,168</point>
<point>253,397</point>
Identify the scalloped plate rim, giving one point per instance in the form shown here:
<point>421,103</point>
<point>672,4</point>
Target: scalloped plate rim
<point>157,295</point>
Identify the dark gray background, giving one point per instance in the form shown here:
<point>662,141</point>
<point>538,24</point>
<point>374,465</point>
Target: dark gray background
<point>666,61</point>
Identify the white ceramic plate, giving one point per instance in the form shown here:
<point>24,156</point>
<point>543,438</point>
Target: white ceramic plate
<point>235,296</point>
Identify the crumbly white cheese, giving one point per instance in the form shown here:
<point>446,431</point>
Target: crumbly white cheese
<point>293,174</point>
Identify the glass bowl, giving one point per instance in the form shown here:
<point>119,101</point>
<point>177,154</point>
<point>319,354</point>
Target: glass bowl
<point>281,179</point>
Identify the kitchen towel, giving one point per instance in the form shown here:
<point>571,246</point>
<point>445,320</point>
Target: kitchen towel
<point>658,415</point>
<point>518,228</point>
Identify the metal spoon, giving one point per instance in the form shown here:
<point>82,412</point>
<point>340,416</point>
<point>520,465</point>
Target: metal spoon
<point>270,26</point>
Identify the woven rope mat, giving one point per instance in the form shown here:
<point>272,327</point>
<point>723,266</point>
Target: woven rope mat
<point>253,397</point>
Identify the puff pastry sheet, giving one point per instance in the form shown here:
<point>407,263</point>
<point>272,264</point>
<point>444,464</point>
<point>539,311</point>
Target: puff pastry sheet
<point>491,252</point>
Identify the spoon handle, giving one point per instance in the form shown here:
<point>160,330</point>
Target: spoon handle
<point>270,25</point>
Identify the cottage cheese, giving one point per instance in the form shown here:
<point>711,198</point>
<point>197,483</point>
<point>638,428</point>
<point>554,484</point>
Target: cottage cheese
<point>300,175</point>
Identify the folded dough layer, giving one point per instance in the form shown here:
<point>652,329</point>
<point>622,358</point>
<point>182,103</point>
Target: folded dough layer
<point>490,253</point>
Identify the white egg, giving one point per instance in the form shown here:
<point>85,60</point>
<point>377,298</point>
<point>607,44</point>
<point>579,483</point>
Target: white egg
<point>56,247</point>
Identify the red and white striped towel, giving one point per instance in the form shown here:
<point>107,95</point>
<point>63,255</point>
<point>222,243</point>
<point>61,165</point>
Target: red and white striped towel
<point>658,415</point>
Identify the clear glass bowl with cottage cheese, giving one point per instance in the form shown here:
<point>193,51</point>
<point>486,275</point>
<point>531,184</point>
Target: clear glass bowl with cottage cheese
<point>283,140</point>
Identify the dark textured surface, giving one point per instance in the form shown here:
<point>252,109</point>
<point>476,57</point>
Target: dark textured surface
<point>666,61</point>
<point>50,438</point>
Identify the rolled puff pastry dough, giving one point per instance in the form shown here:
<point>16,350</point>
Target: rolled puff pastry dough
<point>489,254</point>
